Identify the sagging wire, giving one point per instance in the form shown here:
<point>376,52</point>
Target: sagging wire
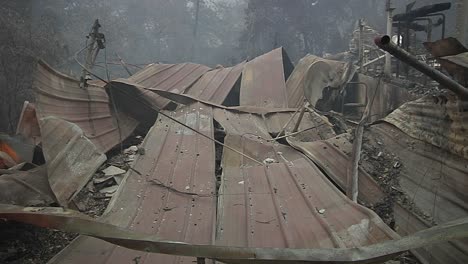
<point>159,110</point>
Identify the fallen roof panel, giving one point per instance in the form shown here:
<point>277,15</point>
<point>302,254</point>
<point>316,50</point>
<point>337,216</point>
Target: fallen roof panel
<point>175,78</point>
<point>267,122</point>
<point>435,181</point>
<point>439,120</point>
<point>71,158</point>
<point>264,80</point>
<point>312,74</point>
<point>416,176</point>
<point>156,198</point>
<point>287,202</point>
<point>215,85</point>
<point>61,96</point>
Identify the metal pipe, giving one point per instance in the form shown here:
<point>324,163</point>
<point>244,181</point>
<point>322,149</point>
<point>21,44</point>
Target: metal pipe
<point>301,115</point>
<point>385,43</point>
<point>443,21</point>
<point>373,61</point>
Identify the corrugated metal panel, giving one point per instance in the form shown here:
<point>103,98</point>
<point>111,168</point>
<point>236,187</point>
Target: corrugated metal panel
<point>264,80</point>
<point>26,188</point>
<point>331,157</point>
<point>71,158</point>
<point>215,85</point>
<point>295,82</point>
<point>441,121</point>
<point>288,203</point>
<point>304,76</point>
<point>61,96</point>
<point>436,181</point>
<point>267,122</point>
<point>135,101</point>
<point>180,159</point>
<point>175,78</point>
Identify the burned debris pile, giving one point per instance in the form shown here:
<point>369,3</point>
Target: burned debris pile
<point>326,161</point>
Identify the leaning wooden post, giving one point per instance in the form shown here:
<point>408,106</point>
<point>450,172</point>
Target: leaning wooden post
<point>352,189</point>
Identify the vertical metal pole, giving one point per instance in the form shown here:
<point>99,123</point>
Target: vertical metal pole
<point>388,57</point>
<point>361,44</point>
<point>91,52</point>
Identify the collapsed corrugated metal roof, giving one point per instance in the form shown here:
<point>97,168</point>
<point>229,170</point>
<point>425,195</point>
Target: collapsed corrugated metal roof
<point>175,78</point>
<point>264,80</point>
<point>158,195</point>
<point>215,85</point>
<point>61,96</point>
<point>175,180</point>
<point>287,203</point>
<point>270,194</point>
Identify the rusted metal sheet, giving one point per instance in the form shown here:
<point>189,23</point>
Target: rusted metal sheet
<point>332,156</point>
<point>264,80</point>
<point>71,158</point>
<point>287,202</point>
<point>175,78</point>
<point>61,96</point>
<point>170,193</point>
<point>435,181</point>
<point>434,178</point>
<point>439,120</point>
<point>28,126</point>
<point>268,122</point>
<point>215,85</point>
<point>312,75</point>
<point>74,222</point>
<point>26,188</point>
<point>134,100</point>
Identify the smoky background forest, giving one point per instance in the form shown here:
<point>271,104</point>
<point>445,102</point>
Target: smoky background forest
<point>163,31</point>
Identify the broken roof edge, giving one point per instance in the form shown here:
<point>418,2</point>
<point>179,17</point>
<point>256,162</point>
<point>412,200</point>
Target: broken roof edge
<point>186,99</point>
<point>61,74</point>
<point>75,222</point>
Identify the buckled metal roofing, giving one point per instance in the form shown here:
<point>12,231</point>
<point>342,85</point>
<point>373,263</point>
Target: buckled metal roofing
<point>215,85</point>
<point>264,80</point>
<point>439,120</point>
<point>175,78</point>
<point>61,96</point>
<point>155,197</point>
